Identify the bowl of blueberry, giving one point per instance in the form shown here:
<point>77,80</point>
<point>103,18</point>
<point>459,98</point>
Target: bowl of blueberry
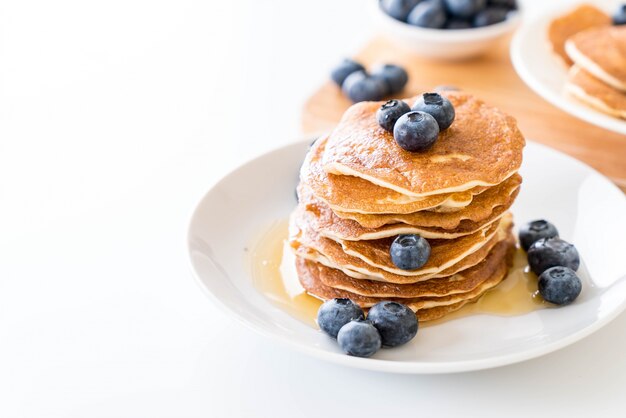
<point>446,29</point>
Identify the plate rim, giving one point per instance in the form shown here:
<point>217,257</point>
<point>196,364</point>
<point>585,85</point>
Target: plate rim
<point>380,365</point>
<point>580,111</point>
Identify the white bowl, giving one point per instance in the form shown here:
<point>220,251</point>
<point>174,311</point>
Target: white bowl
<point>448,44</point>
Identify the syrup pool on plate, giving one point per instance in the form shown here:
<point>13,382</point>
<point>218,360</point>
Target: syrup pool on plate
<point>273,272</point>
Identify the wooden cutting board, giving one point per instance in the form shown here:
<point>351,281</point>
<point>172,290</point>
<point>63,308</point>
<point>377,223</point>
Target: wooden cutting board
<point>492,78</point>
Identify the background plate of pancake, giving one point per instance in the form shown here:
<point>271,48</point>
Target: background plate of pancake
<point>576,60</point>
<point>588,209</point>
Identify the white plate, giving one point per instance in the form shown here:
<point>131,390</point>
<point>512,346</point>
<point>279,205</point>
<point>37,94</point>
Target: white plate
<point>586,207</point>
<point>543,72</point>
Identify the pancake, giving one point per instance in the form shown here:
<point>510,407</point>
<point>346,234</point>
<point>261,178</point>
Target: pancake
<point>595,93</point>
<point>354,194</point>
<point>307,243</point>
<point>358,269</point>
<point>322,219</point>
<point>461,282</point>
<point>602,53</point>
<point>309,275</point>
<point>583,17</point>
<point>444,253</point>
<point>485,207</point>
<point>483,147</point>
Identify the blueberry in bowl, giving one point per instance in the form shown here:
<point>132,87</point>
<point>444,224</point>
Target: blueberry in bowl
<point>447,29</point>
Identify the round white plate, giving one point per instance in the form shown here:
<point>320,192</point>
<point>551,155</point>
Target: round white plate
<point>586,207</point>
<point>543,71</point>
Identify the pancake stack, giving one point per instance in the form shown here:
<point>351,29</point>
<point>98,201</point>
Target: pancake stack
<point>595,53</point>
<point>359,190</point>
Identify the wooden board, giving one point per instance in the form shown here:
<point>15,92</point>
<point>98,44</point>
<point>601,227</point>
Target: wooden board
<point>492,78</point>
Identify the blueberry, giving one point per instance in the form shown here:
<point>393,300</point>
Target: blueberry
<point>438,107</point>
<point>359,86</point>
<point>416,131</point>
<point>359,338</point>
<point>394,75</point>
<point>552,252</point>
<point>490,16</point>
<point>396,323</point>
<point>428,14</point>
<point>335,313</point>
<point>619,18</point>
<point>398,9</point>
<point>409,251</point>
<point>507,4</point>
<point>465,8</point>
<point>559,285</point>
<point>458,24</point>
<point>536,230</point>
<point>344,69</point>
<point>389,113</point>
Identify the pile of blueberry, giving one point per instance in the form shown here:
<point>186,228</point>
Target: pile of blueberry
<point>388,324</point>
<point>359,85</point>
<point>554,260</point>
<point>449,14</point>
<point>619,17</point>
<point>416,128</point>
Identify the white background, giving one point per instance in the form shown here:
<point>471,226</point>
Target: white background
<point>115,118</point>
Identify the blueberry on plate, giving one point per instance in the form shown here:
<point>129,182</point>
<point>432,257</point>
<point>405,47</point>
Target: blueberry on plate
<point>335,313</point>
<point>396,323</point>
<point>438,107</point>
<point>416,131</point>
<point>409,251</point>
<point>465,8</point>
<point>398,9</point>
<point>456,23</point>
<point>359,338</point>
<point>552,252</point>
<point>559,285</point>
<point>490,16</point>
<point>619,18</point>
<point>389,113</point>
<point>344,69</point>
<point>395,76</point>
<point>359,86</point>
<point>535,230</point>
<point>428,14</point>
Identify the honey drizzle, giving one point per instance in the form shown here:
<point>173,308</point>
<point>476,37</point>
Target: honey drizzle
<point>273,273</point>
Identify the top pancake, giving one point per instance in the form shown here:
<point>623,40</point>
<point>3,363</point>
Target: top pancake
<point>583,17</point>
<point>602,53</point>
<point>483,147</point>
<point>354,194</point>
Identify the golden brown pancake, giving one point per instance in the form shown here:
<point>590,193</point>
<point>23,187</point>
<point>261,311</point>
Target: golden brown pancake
<point>483,147</point>
<point>308,244</point>
<point>461,282</point>
<point>328,224</point>
<point>583,17</point>
<point>444,252</point>
<point>484,207</point>
<point>595,93</point>
<point>602,53</point>
<point>309,275</point>
<point>354,194</point>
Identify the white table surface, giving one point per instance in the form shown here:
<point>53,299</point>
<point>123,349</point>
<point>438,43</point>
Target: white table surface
<point>115,118</point>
